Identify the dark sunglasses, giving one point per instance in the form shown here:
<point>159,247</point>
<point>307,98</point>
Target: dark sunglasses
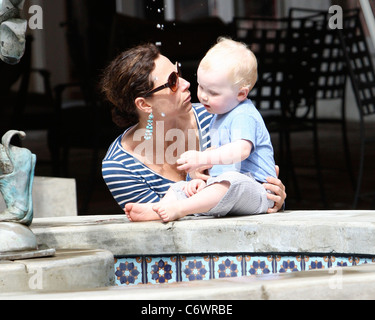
<point>173,82</point>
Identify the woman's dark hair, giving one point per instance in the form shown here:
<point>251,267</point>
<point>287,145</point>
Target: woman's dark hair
<point>126,78</point>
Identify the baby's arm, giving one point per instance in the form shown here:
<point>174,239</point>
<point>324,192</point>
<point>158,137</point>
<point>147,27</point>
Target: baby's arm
<point>228,154</point>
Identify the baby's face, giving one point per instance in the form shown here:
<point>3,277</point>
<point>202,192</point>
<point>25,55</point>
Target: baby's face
<point>215,90</point>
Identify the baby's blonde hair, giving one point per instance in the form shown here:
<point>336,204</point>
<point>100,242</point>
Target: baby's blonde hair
<point>237,57</point>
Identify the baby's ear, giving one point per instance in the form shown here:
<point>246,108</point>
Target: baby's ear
<point>243,93</point>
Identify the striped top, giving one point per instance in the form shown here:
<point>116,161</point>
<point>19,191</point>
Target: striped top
<point>129,180</point>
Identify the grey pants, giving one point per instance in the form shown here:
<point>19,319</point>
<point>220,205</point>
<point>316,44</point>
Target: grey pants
<point>245,195</point>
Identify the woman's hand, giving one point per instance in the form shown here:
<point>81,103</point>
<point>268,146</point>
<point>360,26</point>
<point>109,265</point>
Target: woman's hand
<point>279,195</point>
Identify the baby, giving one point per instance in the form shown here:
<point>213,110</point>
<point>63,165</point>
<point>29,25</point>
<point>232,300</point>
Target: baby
<point>242,153</point>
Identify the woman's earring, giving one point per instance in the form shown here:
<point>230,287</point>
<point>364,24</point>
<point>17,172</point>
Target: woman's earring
<point>149,127</point>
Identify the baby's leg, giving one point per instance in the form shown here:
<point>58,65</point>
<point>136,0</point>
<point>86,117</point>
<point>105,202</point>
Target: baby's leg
<point>201,202</point>
<point>143,211</point>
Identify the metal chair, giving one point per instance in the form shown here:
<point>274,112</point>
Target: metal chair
<point>288,52</point>
<point>332,82</point>
<point>362,75</point>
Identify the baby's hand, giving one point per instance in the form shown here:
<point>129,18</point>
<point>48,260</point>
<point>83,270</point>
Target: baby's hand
<point>191,161</point>
<point>194,186</point>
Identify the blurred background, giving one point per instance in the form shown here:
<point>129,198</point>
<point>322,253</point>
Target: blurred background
<point>53,95</point>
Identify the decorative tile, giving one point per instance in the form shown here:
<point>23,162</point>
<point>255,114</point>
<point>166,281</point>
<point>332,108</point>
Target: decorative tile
<point>358,261</point>
<point>227,266</point>
<point>195,268</point>
<point>161,269</point>
<point>340,262</point>
<point>316,262</point>
<point>350,261</point>
<point>158,270</point>
<point>289,264</point>
<point>128,271</point>
<point>256,265</point>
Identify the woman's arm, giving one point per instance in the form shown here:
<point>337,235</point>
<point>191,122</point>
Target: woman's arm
<point>127,186</point>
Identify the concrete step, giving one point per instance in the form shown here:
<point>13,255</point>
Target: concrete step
<point>67,270</point>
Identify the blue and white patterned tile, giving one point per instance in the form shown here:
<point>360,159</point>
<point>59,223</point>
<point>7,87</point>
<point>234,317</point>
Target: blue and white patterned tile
<point>341,261</point>
<point>368,260</point>
<point>195,268</point>
<point>227,266</point>
<point>356,261</point>
<point>128,271</point>
<point>287,264</point>
<point>257,265</point>
<point>161,270</point>
<point>158,270</point>
<point>316,262</point>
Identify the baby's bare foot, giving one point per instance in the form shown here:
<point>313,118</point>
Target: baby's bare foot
<point>128,208</point>
<point>169,211</point>
<point>137,212</point>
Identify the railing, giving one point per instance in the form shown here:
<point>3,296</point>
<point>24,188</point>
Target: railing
<point>369,17</point>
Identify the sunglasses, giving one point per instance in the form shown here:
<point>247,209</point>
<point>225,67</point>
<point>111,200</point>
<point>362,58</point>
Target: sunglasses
<point>173,82</point>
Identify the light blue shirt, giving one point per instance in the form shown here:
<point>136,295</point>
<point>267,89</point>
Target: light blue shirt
<point>244,122</point>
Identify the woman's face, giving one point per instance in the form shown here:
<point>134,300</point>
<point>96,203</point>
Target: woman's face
<point>166,102</point>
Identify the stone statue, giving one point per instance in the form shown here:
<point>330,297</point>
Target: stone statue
<point>17,166</point>
<point>12,31</point>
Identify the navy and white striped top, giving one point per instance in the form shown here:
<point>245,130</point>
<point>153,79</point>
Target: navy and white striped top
<point>129,180</point>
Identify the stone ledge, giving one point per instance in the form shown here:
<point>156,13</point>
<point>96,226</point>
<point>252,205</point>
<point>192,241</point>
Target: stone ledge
<point>344,232</point>
<point>67,270</point>
<point>354,283</point>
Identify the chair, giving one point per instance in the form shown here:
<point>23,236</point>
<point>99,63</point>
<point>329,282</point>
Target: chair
<point>288,55</point>
<point>362,76</point>
<point>332,82</point>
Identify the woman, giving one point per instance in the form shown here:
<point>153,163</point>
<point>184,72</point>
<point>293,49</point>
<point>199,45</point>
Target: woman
<point>154,102</point>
